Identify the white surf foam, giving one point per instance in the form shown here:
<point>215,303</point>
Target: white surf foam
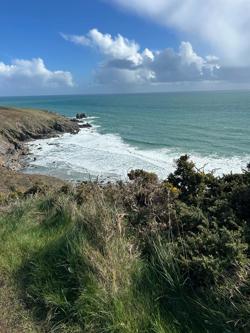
<point>90,154</point>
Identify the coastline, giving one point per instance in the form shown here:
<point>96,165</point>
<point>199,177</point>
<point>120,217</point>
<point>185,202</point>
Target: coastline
<point>17,128</point>
<point>137,132</point>
<point>92,238</point>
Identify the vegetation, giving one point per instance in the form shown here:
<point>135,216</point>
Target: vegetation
<point>143,256</point>
<point>20,125</point>
<point>15,184</point>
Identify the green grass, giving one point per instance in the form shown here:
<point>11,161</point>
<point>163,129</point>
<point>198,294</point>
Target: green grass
<point>76,260</point>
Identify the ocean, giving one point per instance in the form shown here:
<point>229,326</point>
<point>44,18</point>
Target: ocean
<point>143,131</point>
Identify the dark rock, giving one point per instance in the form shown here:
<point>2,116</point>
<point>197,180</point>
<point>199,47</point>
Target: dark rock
<point>87,125</point>
<point>58,127</point>
<point>17,145</point>
<point>81,115</point>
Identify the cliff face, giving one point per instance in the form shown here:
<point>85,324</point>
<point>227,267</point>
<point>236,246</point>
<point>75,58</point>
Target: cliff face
<point>20,125</point>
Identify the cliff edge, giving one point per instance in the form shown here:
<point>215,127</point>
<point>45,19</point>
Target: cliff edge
<point>20,125</point>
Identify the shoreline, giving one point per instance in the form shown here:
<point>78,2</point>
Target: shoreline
<point>81,158</point>
<point>108,157</point>
<point>18,127</point>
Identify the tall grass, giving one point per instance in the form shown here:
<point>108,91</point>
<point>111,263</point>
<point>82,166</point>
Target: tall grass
<point>77,267</point>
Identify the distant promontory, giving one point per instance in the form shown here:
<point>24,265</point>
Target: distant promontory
<point>17,127</point>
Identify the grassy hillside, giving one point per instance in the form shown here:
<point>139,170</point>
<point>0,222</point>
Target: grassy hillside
<point>146,256</point>
<point>14,184</point>
<point>19,125</point>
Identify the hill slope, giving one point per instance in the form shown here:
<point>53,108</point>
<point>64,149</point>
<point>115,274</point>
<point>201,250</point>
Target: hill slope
<point>138,257</point>
<point>20,125</point>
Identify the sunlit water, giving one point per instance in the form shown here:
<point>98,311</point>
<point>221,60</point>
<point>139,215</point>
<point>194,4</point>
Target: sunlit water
<point>146,131</point>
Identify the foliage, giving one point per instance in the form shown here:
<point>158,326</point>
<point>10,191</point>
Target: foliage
<point>142,256</point>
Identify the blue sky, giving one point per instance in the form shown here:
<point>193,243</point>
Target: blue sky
<point>39,53</point>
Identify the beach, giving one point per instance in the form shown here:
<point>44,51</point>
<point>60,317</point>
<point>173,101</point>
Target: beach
<point>143,131</point>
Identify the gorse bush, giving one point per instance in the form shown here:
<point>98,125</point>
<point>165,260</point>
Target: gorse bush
<point>142,256</point>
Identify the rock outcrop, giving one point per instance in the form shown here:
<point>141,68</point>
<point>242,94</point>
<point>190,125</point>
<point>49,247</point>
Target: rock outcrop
<point>85,125</point>
<point>20,125</point>
<point>81,115</point>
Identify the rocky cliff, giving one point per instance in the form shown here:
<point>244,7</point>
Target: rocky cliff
<point>20,125</point>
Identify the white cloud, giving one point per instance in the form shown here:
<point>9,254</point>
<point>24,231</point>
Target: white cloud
<point>31,76</point>
<point>125,63</point>
<point>118,48</point>
<point>188,56</point>
<point>80,40</point>
<point>222,24</point>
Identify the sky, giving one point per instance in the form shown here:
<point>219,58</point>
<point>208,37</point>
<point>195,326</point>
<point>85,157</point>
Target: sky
<point>114,46</point>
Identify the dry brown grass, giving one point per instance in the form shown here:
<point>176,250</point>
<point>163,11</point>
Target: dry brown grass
<point>11,181</point>
<point>35,122</point>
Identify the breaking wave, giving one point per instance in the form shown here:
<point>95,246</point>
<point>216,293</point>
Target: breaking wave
<point>91,155</point>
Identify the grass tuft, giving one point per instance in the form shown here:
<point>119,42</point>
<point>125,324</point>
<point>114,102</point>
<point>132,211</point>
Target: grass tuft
<point>144,257</point>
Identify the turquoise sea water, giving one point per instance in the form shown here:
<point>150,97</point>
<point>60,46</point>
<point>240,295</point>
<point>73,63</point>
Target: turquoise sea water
<point>145,131</point>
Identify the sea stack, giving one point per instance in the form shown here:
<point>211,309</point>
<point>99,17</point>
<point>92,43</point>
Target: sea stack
<point>81,115</point>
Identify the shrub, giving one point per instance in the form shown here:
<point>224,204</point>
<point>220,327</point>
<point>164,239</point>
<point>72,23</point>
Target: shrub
<point>142,256</point>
